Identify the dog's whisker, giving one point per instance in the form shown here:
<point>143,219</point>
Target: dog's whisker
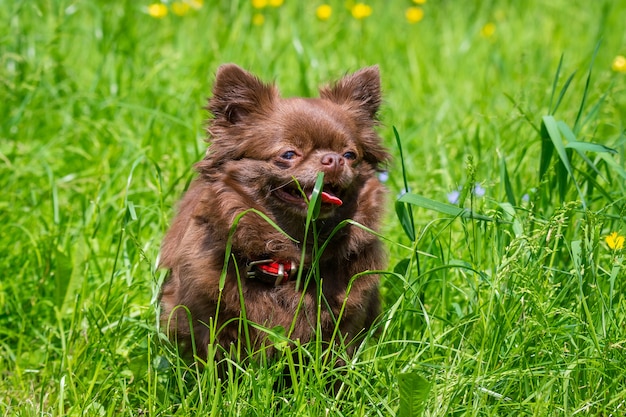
<point>282,185</point>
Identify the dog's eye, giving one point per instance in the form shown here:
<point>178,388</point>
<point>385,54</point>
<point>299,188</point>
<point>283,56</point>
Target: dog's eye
<point>349,155</point>
<point>288,155</point>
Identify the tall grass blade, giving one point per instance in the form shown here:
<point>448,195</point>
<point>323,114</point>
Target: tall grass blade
<point>62,278</point>
<point>523,112</point>
<point>444,208</point>
<point>313,211</point>
<point>563,89</point>
<point>589,147</point>
<point>511,216</point>
<point>595,110</point>
<point>315,203</point>
<point>554,134</point>
<point>586,90</point>
<point>403,211</point>
<point>612,163</point>
<point>54,194</point>
<point>547,149</point>
<point>80,256</point>
<point>555,82</point>
<point>581,147</point>
<point>506,180</point>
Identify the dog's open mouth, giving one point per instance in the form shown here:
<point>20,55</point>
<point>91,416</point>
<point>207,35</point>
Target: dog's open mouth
<point>330,195</point>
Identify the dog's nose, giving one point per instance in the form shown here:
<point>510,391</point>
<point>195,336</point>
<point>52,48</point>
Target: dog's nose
<point>332,163</point>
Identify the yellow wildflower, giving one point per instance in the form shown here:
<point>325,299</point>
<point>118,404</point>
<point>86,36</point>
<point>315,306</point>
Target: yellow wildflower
<point>157,10</point>
<point>323,12</point>
<point>259,4</point>
<point>419,1</point>
<point>414,14</point>
<point>615,241</point>
<point>619,64</point>
<point>179,8</point>
<point>195,4</point>
<point>276,3</point>
<point>361,11</point>
<point>258,19</point>
<point>488,30</point>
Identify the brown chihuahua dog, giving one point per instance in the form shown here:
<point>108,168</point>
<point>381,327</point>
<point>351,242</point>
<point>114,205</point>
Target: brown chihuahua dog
<point>265,154</point>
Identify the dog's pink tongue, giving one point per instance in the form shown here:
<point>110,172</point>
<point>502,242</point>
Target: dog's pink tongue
<point>330,199</point>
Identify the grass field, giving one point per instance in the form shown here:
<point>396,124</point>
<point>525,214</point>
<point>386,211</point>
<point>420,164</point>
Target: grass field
<point>506,291</point>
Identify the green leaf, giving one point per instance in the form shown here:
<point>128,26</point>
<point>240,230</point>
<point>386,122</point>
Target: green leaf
<point>71,274</point>
<point>613,164</point>
<point>563,90</point>
<point>277,335</point>
<point>586,90</point>
<point>130,206</point>
<point>566,131</point>
<point>554,82</point>
<point>511,216</point>
<point>403,211</point>
<point>316,202</point>
<point>399,143</point>
<point>402,267</point>
<point>508,188</point>
<point>444,208</point>
<point>590,147</point>
<point>579,147</point>
<point>554,133</point>
<point>577,256</point>
<point>547,149</point>
<point>414,390</point>
<point>62,276</point>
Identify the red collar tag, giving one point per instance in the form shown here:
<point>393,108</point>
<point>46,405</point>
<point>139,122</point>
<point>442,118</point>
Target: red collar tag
<point>271,271</point>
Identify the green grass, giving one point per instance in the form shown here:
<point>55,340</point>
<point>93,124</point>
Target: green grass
<point>504,303</point>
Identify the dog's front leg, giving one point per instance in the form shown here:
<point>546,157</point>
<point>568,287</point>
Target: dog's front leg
<point>254,237</point>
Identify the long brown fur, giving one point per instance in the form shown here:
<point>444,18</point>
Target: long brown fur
<point>261,144</point>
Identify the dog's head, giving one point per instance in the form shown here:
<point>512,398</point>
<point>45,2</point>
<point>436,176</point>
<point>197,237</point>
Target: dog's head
<point>271,148</point>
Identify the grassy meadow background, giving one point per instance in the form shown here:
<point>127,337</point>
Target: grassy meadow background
<point>506,286</point>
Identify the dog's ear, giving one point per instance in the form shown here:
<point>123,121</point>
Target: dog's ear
<point>361,88</point>
<point>237,93</point>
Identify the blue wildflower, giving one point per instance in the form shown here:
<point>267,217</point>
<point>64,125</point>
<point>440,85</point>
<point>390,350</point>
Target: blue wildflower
<point>453,196</point>
<point>479,191</point>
